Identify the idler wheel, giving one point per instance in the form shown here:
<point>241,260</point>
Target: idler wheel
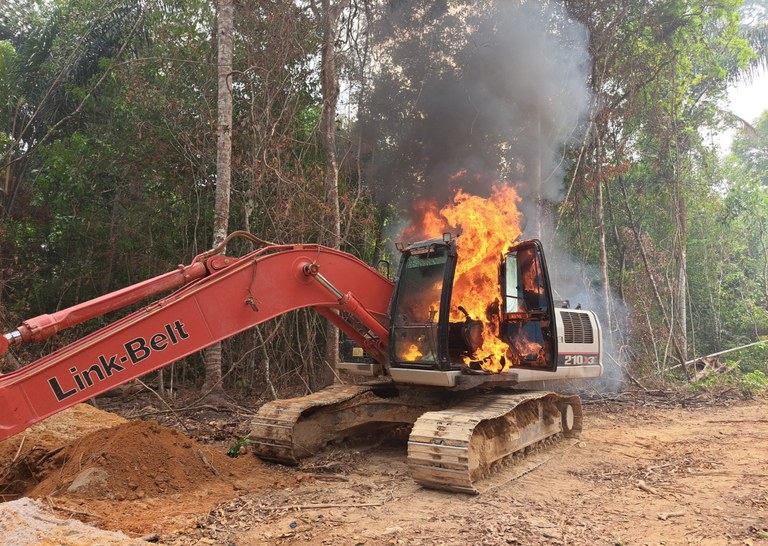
<point>566,416</point>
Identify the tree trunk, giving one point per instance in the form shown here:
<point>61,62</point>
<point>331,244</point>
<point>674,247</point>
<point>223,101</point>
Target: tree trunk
<point>765,260</point>
<point>598,175</point>
<point>327,17</point>
<point>223,168</point>
<point>604,259</point>
<point>681,221</point>
<point>682,297</point>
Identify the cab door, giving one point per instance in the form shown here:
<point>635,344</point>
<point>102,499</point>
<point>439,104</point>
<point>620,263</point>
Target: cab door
<point>527,314</point>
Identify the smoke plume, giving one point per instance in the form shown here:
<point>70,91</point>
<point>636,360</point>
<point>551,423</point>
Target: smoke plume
<point>472,93</point>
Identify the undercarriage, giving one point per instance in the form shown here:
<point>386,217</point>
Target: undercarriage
<point>456,439</point>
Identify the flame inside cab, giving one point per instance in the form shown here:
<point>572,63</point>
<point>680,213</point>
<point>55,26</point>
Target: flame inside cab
<point>520,329</point>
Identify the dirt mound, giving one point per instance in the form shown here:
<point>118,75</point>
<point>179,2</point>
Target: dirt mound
<point>21,455</point>
<point>134,476</point>
<point>132,461</point>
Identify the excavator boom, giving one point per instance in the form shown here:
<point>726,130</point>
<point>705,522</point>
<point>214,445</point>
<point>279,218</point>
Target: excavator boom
<point>224,296</point>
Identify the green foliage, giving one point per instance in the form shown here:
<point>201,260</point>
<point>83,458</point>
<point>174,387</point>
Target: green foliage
<point>748,384</point>
<point>753,383</point>
<point>754,358</point>
<point>123,189</point>
<point>666,203</point>
<point>746,375</point>
<point>7,60</point>
<point>7,92</point>
<point>236,449</point>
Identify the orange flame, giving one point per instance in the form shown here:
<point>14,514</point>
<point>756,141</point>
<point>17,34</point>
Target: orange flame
<point>488,226</point>
<point>527,349</point>
<point>427,222</point>
<point>412,354</point>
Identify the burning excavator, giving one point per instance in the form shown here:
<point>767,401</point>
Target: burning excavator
<point>448,347</point>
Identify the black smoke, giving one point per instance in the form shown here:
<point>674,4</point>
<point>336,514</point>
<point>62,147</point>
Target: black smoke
<point>493,89</point>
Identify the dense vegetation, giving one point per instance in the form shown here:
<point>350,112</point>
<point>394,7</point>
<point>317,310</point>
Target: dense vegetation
<point>108,154</point>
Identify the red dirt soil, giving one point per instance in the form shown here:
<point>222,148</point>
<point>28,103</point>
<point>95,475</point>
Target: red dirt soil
<point>137,477</point>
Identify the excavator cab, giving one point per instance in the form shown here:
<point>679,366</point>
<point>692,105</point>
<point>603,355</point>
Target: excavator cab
<point>422,335</point>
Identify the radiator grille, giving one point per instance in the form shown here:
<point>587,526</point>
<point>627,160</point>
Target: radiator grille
<point>577,326</point>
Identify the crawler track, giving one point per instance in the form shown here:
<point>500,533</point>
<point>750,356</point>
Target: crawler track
<point>451,449</point>
<point>289,430</point>
<point>273,430</point>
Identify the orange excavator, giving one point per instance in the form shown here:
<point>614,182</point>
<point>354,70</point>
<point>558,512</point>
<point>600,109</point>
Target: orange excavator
<point>421,362</point>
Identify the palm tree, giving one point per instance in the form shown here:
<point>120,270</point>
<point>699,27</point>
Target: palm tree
<point>755,31</point>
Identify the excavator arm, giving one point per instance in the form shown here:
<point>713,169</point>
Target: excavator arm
<point>220,297</point>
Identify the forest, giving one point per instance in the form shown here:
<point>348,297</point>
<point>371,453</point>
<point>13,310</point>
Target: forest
<point>341,116</point>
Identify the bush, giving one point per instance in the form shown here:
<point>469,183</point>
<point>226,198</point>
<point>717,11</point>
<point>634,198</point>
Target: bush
<point>753,383</point>
<point>750,384</point>
<point>754,358</point>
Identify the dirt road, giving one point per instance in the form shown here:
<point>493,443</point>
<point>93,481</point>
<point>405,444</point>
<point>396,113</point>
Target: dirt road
<point>638,475</point>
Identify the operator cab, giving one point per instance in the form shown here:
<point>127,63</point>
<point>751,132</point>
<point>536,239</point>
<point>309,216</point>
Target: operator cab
<point>423,336</point>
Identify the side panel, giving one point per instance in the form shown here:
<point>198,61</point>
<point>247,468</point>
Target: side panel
<point>579,338</point>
